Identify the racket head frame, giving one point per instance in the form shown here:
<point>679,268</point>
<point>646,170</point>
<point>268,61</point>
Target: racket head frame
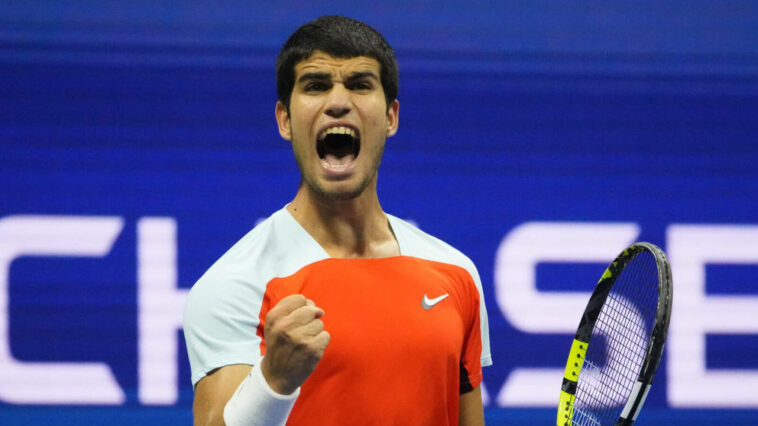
<point>587,323</point>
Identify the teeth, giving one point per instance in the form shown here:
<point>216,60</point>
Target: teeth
<point>338,130</point>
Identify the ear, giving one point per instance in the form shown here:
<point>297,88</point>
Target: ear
<point>393,118</point>
<point>283,120</point>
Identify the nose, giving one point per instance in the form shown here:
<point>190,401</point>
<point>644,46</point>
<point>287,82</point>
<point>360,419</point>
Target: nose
<point>338,102</point>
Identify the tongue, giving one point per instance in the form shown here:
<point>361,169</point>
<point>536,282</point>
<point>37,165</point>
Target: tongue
<point>333,160</point>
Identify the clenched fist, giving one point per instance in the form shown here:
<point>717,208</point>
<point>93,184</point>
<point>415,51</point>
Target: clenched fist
<point>295,342</point>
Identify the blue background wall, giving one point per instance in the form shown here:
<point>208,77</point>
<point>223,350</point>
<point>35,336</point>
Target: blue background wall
<point>511,112</point>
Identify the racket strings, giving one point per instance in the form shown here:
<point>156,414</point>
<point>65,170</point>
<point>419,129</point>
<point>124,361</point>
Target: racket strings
<point>587,411</point>
<point>618,344</point>
<point>613,322</point>
<point>582,418</point>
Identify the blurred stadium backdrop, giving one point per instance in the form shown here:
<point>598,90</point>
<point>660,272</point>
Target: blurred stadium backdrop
<point>138,143</point>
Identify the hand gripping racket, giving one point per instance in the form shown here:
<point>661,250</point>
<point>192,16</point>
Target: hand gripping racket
<point>619,341</point>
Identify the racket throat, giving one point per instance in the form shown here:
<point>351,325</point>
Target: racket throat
<point>633,405</point>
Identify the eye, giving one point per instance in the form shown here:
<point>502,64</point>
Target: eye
<point>361,85</point>
<point>315,86</point>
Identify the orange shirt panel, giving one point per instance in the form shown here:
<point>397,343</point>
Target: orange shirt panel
<point>389,360</point>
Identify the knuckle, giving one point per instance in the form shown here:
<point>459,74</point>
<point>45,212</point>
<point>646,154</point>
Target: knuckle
<point>280,332</point>
<point>273,325</point>
<point>315,351</point>
<point>299,299</point>
<point>287,335</point>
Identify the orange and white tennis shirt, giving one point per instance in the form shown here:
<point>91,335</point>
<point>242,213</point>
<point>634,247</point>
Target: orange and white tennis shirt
<point>408,333</point>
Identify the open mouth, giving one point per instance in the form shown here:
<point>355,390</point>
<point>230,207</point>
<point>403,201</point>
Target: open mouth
<point>338,146</point>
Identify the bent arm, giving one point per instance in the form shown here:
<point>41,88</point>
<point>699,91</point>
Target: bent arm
<point>470,411</point>
<point>296,342</point>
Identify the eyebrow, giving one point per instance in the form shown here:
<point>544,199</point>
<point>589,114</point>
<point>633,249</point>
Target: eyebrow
<point>314,76</point>
<point>361,76</point>
<point>326,76</point>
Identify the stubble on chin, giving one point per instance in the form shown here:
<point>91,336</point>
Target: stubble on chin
<point>338,195</point>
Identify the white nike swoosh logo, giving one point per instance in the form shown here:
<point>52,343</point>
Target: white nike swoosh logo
<point>427,303</point>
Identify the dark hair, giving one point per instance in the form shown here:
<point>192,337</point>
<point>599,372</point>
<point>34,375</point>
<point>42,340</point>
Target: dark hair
<point>340,37</point>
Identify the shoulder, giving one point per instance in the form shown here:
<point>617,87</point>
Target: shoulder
<point>235,276</point>
<point>273,248</point>
<point>277,246</point>
<point>243,259</point>
<point>417,243</point>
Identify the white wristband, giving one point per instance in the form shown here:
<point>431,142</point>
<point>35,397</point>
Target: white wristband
<point>254,403</point>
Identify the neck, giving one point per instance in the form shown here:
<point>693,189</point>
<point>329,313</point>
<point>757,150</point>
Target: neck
<point>355,228</point>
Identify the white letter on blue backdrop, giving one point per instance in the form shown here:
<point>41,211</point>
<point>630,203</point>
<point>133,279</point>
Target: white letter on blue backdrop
<point>695,314</point>
<point>53,382</point>
<point>161,305</point>
<point>534,311</point>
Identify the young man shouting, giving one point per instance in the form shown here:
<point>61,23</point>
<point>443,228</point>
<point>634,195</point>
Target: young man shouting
<point>332,312</point>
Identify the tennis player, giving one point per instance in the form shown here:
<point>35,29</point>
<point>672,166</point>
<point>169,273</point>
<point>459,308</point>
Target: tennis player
<point>332,312</point>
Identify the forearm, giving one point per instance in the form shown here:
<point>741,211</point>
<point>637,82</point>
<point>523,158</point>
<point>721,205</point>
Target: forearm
<point>470,411</point>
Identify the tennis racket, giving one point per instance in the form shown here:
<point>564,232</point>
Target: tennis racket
<point>619,342</point>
